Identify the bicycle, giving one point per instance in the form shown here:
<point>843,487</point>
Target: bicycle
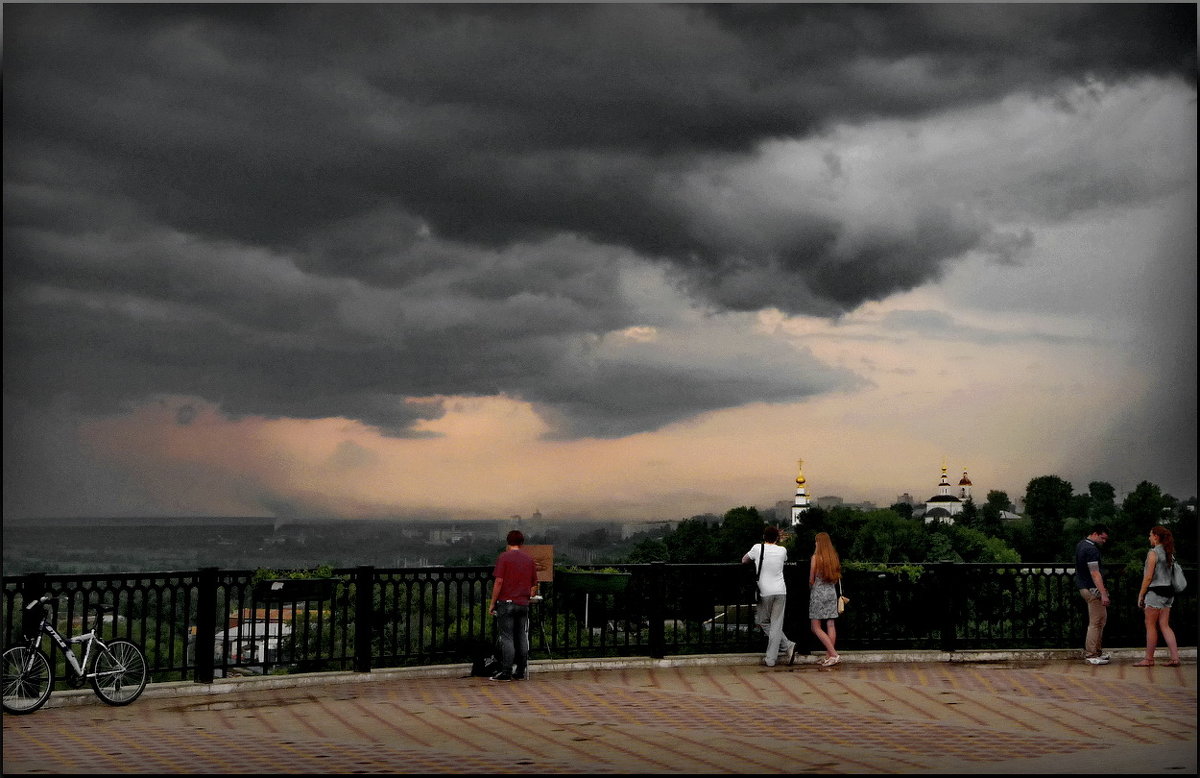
<point>116,670</point>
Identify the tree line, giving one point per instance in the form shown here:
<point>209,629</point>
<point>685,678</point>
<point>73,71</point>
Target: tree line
<point>1055,519</point>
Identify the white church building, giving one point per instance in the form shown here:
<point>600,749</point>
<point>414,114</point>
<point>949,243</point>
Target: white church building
<point>947,503</point>
<point>943,506</point>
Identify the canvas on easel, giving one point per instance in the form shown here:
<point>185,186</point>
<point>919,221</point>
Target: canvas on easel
<point>543,557</point>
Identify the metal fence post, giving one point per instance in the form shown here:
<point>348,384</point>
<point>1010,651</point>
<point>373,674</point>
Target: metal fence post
<point>364,615</point>
<point>206,624</point>
<point>795,618</point>
<point>33,587</point>
<point>948,585</point>
<point>655,611</point>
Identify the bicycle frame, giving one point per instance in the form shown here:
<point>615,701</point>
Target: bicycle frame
<point>65,645</point>
<point>76,666</point>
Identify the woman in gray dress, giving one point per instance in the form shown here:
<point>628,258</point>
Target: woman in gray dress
<point>824,572</point>
<point>1157,595</point>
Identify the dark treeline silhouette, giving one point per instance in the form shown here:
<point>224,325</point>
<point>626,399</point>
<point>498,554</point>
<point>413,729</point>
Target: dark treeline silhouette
<point>1055,519</point>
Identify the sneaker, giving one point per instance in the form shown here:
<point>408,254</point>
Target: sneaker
<point>503,675</point>
<point>1097,660</point>
<point>1105,655</point>
<point>789,656</point>
<point>519,675</point>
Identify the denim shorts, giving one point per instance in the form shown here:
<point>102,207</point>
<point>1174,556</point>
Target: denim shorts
<point>1158,601</point>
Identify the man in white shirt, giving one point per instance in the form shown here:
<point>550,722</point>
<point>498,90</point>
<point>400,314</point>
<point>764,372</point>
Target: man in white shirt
<point>768,558</point>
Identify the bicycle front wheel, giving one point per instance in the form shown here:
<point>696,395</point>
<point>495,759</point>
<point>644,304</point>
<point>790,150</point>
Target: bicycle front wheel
<point>119,674</point>
<point>27,679</point>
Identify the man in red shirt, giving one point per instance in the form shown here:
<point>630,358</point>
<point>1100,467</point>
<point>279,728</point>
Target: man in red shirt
<point>516,581</point>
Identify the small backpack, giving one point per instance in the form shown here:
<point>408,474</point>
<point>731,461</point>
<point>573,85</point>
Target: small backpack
<point>1178,581</point>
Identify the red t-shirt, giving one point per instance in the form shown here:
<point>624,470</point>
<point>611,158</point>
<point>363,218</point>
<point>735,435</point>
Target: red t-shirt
<point>517,573</point>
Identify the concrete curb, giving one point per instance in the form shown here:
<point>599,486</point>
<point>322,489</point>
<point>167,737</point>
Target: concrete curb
<point>223,686</point>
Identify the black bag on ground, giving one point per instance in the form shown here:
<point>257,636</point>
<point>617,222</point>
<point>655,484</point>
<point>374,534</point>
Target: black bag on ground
<point>485,666</point>
<point>484,659</point>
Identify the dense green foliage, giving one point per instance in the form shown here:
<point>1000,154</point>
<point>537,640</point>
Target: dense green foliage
<point>1054,521</point>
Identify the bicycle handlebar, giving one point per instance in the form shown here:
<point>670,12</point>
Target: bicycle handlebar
<point>46,598</point>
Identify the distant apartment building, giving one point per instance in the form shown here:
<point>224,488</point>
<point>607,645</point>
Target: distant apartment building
<point>449,536</point>
<point>833,501</point>
<point>655,528</point>
<point>802,502</point>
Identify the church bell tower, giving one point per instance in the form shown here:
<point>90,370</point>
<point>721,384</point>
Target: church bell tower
<point>801,505</point>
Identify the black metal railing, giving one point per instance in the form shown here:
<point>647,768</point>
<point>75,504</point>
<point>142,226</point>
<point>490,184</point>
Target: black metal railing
<point>208,623</point>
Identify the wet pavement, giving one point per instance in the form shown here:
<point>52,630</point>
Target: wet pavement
<point>871,714</point>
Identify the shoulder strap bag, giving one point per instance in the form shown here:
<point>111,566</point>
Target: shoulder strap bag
<point>1178,580</point>
<point>762,549</point>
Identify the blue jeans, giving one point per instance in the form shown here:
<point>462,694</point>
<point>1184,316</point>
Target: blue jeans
<point>512,621</point>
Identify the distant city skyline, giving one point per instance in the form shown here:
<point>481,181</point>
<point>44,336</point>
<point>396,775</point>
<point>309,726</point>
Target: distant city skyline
<point>780,506</point>
<point>599,260</point>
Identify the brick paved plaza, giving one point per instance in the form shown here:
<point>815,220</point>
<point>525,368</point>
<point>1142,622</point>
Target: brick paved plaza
<point>712,715</point>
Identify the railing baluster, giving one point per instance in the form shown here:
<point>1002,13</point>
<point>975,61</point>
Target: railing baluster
<point>393,617</point>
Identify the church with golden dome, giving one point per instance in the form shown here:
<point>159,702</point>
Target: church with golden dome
<point>943,506</point>
<point>801,504</point>
<point>947,503</point>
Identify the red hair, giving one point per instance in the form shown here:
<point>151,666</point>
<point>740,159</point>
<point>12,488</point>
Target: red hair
<point>1167,541</point>
<point>826,562</point>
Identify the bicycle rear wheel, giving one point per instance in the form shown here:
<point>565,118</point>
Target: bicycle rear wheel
<point>27,679</point>
<point>119,673</point>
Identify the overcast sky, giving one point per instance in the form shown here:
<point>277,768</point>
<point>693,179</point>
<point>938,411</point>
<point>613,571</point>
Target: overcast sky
<point>624,261</point>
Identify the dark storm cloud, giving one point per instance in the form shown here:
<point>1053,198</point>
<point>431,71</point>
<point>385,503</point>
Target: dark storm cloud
<point>319,210</point>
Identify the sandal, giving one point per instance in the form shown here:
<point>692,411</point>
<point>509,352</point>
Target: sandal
<point>830,661</point>
<point>1144,663</point>
<point>1172,663</point>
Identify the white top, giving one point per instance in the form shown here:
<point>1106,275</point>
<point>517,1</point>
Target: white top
<point>770,577</point>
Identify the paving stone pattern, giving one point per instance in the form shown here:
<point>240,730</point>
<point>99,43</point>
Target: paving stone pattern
<point>867,718</point>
